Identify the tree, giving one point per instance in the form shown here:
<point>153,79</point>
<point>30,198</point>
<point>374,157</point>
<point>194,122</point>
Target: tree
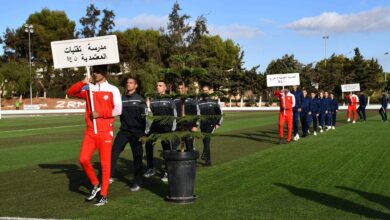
<point>107,23</point>
<point>14,78</point>
<point>89,22</point>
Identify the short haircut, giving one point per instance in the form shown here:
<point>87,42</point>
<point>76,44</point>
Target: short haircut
<point>133,78</point>
<point>102,69</point>
<point>206,85</point>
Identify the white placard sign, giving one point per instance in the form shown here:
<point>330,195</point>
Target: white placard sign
<point>288,79</point>
<point>85,52</point>
<point>350,87</point>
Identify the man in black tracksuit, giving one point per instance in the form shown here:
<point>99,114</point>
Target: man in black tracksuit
<point>191,108</point>
<point>133,125</point>
<point>160,106</point>
<point>210,107</point>
<point>362,107</point>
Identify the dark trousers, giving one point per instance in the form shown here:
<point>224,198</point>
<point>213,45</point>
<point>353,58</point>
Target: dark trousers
<point>149,146</point>
<point>328,118</point>
<point>334,117</point>
<point>120,142</point>
<point>383,113</point>
<point>208,130</point>
<point>305,122</point>
<point>361,110</point>
<point>296,116</point>
<point>315,121</point>
<point>322,119</point>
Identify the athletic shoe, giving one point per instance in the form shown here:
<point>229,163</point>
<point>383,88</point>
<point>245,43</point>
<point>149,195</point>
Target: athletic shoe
<point>321,130</point>
<point>111,180</point>
<point>102,201</point>
<point>164,178</point>
<point>93,192</point>
<point>308,131</point>
<point>134,187</point>
<point>149,173</point>
<point>207,163</point>
<point>333,127</point>
<point>328,128</point>
<point>353,122</point>
<point>348,120</point>
<point>315,133</point>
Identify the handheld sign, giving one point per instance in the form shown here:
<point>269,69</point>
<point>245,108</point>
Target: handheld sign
<point>85,52</point>
<point>350,87</point>
<point>288,79</point>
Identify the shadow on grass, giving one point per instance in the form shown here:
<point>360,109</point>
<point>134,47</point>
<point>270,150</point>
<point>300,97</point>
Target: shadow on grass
<point>74,173</point>
<point>373,197</point>
<point>268,136</point>
<point>334,202</point>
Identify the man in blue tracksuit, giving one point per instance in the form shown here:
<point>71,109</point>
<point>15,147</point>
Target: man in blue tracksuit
<point>305,113</point>
<point>362,107</point>
<point>383,109</point>
<point>314,110</point>
<point>334,108</point>
<point>296,110</point>
<point>323,111</point>
<point>328,115</point>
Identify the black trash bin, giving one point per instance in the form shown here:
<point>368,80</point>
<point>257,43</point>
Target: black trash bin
<point>181,175</point>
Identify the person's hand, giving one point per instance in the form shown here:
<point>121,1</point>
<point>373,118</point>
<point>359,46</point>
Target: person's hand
<point>299,109</point>
<point>94,115</point>
<point>318,115</point>
<point>217,126</point>
<point>87,80</point>
<point>326,112</point>
<point>309,113</point>
<point>194,129</point>
<point>337,110</point>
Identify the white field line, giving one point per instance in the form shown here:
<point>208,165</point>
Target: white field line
<point>34,129</point>
<point>20,218</point>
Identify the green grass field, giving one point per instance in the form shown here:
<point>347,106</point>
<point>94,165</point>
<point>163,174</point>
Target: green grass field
<point>340,174</point>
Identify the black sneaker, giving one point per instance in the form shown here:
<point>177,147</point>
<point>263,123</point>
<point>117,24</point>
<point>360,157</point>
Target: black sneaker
<point>134,187</point>
<point>101,201</point>
<point>149,173</point>
<point>93,192</point>
<point>207,163</point>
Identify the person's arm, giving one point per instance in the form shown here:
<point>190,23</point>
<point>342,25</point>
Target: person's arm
<point>293,100</point>
<point>218,111</point>
<point>174,114</point>
<point>143,110</point>
<point>79,89</point>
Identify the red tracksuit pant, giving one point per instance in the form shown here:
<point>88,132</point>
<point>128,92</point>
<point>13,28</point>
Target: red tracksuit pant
<point>285,116</point>
<point>352,109</point>
<point>102,141</point>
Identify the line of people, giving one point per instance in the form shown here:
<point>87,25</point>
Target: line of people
<point>318,110</point>
<point>133,109</point>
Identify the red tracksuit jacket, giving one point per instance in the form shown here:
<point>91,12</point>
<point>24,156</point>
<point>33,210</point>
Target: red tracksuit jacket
<point>107,102</point>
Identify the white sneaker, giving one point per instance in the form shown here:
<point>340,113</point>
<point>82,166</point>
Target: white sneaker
<point>308,131</point>
<point>348,120</point>
<point>315,133</point>
<point>333,128</point>
<point>149,173</point>
<point>353,122</point>
<point>164,178</point>
<point>321,130</point>
<point>111,180</point>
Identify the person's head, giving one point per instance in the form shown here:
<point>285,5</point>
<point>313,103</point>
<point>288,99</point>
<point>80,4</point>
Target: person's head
<point>326,94</point>
<point>99,73</point>
<point>182,88</point>
<point>304,93</point>
<point>313,95</point>
<point>286,90</point>
<point>384,92</point>
<point>161,87</point>
<point>361,93</point>
<point>206,89</point>
<point>294,88</point>
<point>131,85</point>
<point>331,95</point>
<point>321,94</point>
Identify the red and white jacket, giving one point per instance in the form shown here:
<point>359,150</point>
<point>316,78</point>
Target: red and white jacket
<point>287,102</point>
<point>353,100</point>
<point>107,102</point>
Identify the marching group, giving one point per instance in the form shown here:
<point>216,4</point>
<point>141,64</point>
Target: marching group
<point>133,110</point>
<point>318,110</point>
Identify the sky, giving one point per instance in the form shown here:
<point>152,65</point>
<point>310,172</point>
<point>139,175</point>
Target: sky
<point>264,29</point>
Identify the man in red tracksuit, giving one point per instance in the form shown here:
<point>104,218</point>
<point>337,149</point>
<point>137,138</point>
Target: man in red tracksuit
<point>287,103</point>
<point>353,100</point>
<point>107,104</point>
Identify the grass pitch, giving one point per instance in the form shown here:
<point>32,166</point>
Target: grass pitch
<point>340,174</point>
